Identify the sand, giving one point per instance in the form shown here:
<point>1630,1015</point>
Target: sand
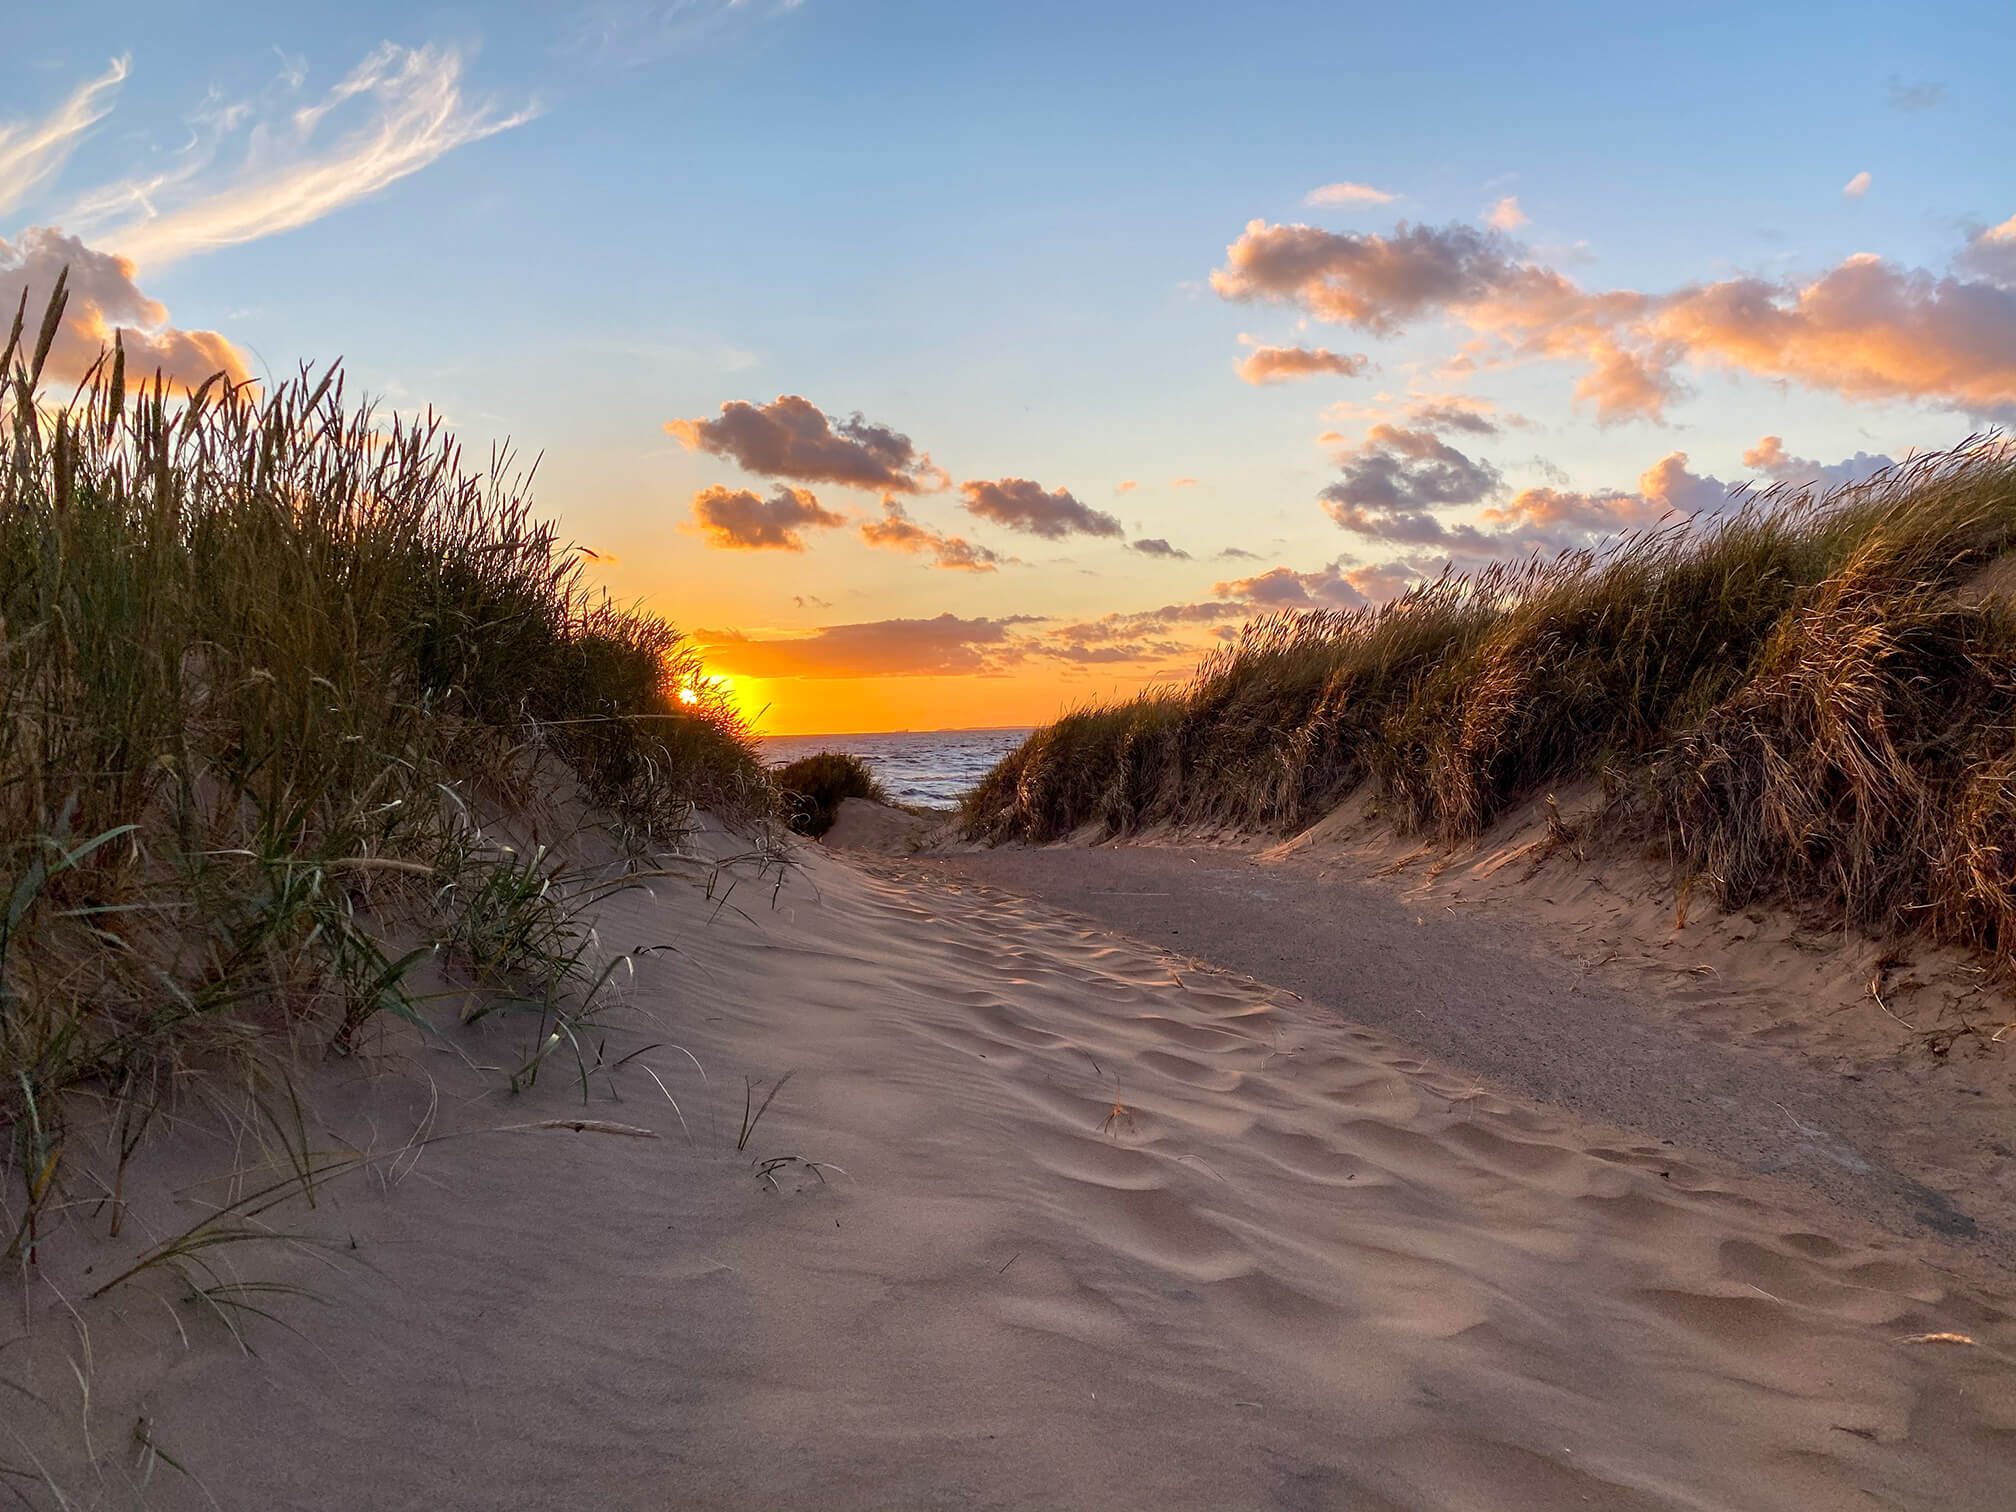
<point>1091,1227</point>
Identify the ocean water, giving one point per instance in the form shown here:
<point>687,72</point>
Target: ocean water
<point>924,768</point>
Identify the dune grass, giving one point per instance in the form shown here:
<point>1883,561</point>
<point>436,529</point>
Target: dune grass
<point>815,786</point>
<point>263,659</point>
<point>1810,699</point>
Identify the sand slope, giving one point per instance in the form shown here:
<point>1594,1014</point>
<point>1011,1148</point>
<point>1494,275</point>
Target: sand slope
<point>1091,1234</point>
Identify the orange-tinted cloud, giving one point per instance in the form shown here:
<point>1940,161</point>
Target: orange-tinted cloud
<point>1284,588</point>
<point>1866,329</point>
<point>791,437</point>
<point>1374,282</point>
<point>1769,457</point>
<point>1506,214</point>
<point>1857,186</point>
<point>896,531</point>
<point>1019,504</point>
<point>1278,364</point>
<point>738,520</point>
<point>1125,486</point>
<point>878,648</point>
<point>103,298</point>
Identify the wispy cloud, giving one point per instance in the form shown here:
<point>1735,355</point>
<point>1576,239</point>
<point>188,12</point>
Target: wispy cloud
<point>33,152</point>
<point>1857,186</point>
<point>290,177</point>
<point>1506,214</point>
<point>1923,94</point>
<point>633,33</point>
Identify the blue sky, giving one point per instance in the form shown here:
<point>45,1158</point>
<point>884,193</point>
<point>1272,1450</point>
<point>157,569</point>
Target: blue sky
<point>994,228</point>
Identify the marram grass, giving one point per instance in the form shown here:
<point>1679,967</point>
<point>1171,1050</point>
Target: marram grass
<point>1810,699</point>
<point>262,657</point>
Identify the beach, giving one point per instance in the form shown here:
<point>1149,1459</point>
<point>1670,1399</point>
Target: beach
<point>1044,1215</point>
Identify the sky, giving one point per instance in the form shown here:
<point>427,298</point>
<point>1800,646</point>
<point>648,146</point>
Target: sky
<point>951,365</point>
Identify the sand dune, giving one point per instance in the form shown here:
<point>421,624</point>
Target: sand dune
<point>1086,1231</point>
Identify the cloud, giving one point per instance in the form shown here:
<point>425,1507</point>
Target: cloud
<point>1237,554</point>
<point>103,298</point>
<point>1156,547</point>
<point>1374,282</point>
<point>415,115</point>
<point>1923,95</point>
<point>33,153</point>
<point>1284,588</point>
<point>1347,194</point>
<point>634,33</point>
<point>1146,635</point>
<point>1769,457</point>
<point>1276,364</point>
<point>1395,476</point>
<point>811,601</point>
<point>1866,329</point>
<point>1506,214</point>
<point>878,648</point>
<point>1857,186</point>
<point>791,437</point>
<point>896,531</point>
<point>1991,255</point>
<point>1441,413</point>
<point>1182,482</point>
<point>736,519</point>
<point>1019,504</point>
<point>1125,486</point>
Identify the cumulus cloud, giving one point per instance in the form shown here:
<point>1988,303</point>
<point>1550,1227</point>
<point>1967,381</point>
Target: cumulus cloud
<point>1279,364</point>
<point>791,437</point>
<point>104,299</point>
<point>1857,186</point>
<point>896,531</point>
<point>877,648</point>
<point>736,519</point>
<point>1769,457</point>
<point>1395,476</point>
<point>1865,329</point>
<point>34,152</point>
<point>1284,588</point>
<point>1347,194</point>
<point>414,113</point>
<point>1155,546</point>
<point>1990,255</point>
<point>1506,214</point>
<point>1019,504</point>
<point>1374,282</point>
<point>1911,98</point>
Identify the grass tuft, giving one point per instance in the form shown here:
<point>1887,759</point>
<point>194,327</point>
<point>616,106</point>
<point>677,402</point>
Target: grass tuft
<point>262,657</point>
<point>1808,698</point>
<point>815,786</point>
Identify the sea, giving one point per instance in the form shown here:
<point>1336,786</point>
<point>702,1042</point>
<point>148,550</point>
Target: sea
<point>922,768</point>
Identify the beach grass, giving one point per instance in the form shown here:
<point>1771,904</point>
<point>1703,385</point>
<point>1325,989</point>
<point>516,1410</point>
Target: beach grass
<point>266,659</point>
<point>1808,699</point>
<point>815,786</point>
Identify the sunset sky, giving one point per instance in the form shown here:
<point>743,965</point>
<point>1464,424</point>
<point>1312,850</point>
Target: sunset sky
<point>948,364</point>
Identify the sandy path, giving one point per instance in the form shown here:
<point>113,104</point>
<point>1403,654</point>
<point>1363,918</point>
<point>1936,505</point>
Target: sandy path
<point>1492,996</point>
<point>1106,1239</point>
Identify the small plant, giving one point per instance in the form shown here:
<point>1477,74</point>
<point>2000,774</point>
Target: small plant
<point>753,1111</point>
<point>815,786</point>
